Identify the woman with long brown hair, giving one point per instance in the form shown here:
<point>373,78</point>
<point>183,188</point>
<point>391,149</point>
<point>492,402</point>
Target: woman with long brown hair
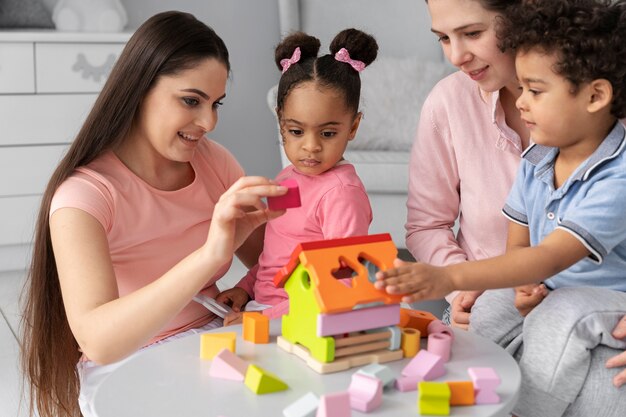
<point>141,214</point>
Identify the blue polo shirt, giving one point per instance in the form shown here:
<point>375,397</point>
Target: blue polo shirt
<point>591,205</point>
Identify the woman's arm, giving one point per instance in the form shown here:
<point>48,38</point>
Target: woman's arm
<point>108,327</point>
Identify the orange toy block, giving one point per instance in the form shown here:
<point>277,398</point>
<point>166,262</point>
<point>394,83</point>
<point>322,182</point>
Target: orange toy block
<point>410,342</point>
<point>461,392</point>
<point>256,327</point>
<point>212,343</point>
<point>416,319</point>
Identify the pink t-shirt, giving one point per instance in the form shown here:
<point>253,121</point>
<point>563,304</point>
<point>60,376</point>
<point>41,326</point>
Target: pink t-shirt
<point>463,162</point>
<point>334,205</point>
<point>150,230</point>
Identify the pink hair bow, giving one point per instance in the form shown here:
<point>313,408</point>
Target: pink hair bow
<point>343,56</point>
<point>295,57</point>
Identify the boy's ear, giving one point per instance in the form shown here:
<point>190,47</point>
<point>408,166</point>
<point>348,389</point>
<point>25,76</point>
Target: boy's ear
<point>355,125</point>
<point>600,95</point>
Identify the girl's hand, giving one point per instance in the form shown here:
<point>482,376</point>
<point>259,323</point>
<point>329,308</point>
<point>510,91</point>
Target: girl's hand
<point>417,280</point>
<point>233,318</point>
<point>461,307</point>
<point>619,360</point>
<point>235,297</point>
<point>527,297</point>
<point>239,211</point>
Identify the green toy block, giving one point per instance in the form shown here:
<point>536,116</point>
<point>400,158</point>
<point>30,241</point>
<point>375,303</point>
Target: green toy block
<point>300,324</point>
<point>261,381</point>
<point>433,398</point>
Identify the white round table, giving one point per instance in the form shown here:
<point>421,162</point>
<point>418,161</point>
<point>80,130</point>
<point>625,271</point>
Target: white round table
<point>170,380</point>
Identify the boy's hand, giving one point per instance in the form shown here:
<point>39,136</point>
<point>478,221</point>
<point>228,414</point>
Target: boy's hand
<point>619,360</point>
<point>235,297</point>
<point>235,317</point>
<point>461,307</point>
<point>417,280</point>
<point>528,297</point>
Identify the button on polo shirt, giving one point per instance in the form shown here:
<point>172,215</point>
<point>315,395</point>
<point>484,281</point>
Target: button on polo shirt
<point>591,205</point>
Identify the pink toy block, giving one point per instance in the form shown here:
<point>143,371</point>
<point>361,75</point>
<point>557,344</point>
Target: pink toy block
<point>366,392</point>
<point>305,406</point>
<point>227,365</point>
<point>426,364</point>
<point>440,344</point>
<point>408,383</point>
<point>485,381</point>
<point>289,200</point>
<point>336,404</point>
<point>356,320</point>
<point>437,326</point>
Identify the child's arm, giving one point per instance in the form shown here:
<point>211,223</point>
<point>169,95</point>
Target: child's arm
<point>558,251</point>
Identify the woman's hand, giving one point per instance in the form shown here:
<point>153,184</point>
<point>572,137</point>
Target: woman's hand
<point>239,211</point>
<point>619,360</point>
<point>461,307</point>
<point>235,297</point>
<point>527,297</point>
<point>417,280</point>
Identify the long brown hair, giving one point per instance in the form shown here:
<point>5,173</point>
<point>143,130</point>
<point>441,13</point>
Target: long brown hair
<point>165,44</point>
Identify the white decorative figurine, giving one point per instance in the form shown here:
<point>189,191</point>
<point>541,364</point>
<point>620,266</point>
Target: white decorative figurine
<point>89,16</point>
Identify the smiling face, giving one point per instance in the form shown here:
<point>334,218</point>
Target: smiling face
<point>177,112</point>
<point>316,128</point>
<point>554,113</point>
<point>466,32</point>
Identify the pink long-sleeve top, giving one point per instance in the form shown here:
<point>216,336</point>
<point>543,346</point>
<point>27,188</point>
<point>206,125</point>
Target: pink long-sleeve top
<point>463,163</point>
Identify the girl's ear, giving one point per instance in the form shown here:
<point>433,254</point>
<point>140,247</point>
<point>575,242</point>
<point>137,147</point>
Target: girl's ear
<point>601,95</point>
<point>355,125</point>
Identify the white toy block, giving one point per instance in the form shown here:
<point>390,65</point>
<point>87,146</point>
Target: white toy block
<point>485,381</point>
<point>425,364</point>
<point>366,392</point>
<point>336,404</point>
<point>382,372</point>
<point>305,406</point>
<point>227,365</point>
<point>440,344</point>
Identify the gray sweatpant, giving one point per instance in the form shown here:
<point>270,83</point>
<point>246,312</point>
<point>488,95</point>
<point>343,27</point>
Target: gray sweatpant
<point>561,347</point>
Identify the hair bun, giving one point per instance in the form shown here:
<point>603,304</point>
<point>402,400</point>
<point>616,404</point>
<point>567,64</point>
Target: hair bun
<point>360,45</point>
<point>309,47</point>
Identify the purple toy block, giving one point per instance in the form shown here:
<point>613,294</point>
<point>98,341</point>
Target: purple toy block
<point>289,200</point>
<point>440,344</point>
<point>408,383</point>
<point>437,326</point>
<point>227,365</point>
<point>426,364</point>
<point>485,381</point>
<point>336,404</point>
<point>366,392</point>
<point>356,320</point>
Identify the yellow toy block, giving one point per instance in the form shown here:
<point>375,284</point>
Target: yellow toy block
<point>256,327</point>
<point>260,381</point>
<point>212,343</point>
<point>410,342</point>
<point>461,392</point>
<point>433,398</point>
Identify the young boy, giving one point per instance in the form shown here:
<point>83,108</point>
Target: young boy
<point>567,208</point>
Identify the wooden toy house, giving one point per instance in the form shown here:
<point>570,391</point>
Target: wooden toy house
<point>336,320</point>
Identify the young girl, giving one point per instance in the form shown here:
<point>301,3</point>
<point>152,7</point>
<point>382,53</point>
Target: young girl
<point>143,213</point>
<point>317,107</point>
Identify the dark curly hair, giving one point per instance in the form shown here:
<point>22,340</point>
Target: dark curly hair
<point>588,37</point>
<point>325,70</point>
